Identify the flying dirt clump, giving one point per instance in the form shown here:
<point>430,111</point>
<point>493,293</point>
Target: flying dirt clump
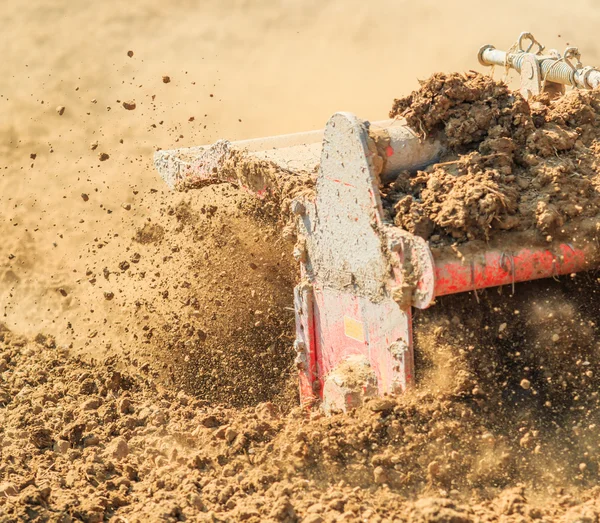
<point>509,164</point>
<point>203,293</point>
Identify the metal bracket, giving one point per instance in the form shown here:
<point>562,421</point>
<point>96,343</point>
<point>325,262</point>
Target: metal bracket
<point>531,81</point>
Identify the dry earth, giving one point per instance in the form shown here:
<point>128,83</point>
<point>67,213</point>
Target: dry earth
<point>145,365</point>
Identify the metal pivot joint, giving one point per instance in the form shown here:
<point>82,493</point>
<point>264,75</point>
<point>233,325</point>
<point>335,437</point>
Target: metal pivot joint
<point>540,71</point>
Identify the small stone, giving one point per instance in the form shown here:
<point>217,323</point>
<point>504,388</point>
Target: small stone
<point>33,156</point>
<point>109,295</point>
<point>210,421</point>
<point>166,79</point>
<point>555,338</point>
<point>124,265</point>
<point>382,405</point>
<point>582,467</point>
<point>61,446</point>
<point>124,406</point>
<point>8,489</point>
<point>60,110</point>
<point>380,475</point>
<point>525,384</point>
<point>315,508</point>
<point>85,197</point>
<point>228,471</point>
<point>129,105</point>
<point>502,327</point>
<point>91,404</point>
<point>91,441</point>
<point>433,469</point>
<point>103,157</point>
<point>130,53</point>
<point>118,449</point>
<point>126,206</point>
<point>42,438</point>
<point>230,434</point>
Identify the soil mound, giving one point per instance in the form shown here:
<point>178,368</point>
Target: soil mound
<point>509,164</point>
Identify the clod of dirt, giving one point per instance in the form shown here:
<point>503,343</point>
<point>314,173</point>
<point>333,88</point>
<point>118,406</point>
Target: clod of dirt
<point>60,110</point>
<point>509,165</point>
<point>166,79</point>
<point>129,105</point>
<point>103,157</point>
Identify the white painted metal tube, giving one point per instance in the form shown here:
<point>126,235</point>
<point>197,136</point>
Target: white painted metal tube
<point>407,151</point>
<point>296,152</point>
<point>551,69</point>
<point>489,55</point>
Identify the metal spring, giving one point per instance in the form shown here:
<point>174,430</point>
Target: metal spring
<point>552,70</point>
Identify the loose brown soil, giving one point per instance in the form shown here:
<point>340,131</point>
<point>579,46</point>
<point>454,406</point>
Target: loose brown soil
<point>201,292</point>
<point>503,426</point>
<point>156,383</point>
<point>509,165</point>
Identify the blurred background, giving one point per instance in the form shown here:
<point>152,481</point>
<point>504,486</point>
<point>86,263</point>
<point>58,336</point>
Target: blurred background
<point>237,69</point>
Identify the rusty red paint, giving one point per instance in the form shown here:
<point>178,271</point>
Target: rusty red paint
<point>495,268</point>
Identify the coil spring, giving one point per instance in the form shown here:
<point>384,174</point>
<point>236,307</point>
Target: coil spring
<point>551,69</point>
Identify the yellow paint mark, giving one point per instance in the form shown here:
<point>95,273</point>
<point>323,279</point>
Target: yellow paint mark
<point>354,329</point>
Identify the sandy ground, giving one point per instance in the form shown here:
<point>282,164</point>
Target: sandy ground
<point>79,197</point>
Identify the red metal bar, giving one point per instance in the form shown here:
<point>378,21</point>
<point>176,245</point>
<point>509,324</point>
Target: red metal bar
<point>495,268</point>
